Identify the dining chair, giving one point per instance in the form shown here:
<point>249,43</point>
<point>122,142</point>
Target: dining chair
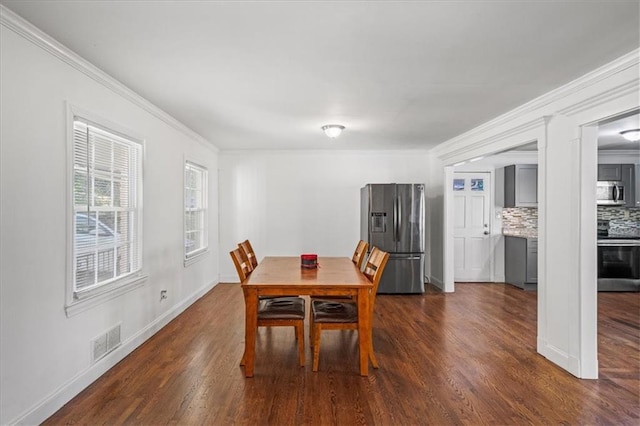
<point>343,315</point>
<point>240,261</point>
<point>285,311</point>
<point>359,253</point>
<point>251,254</point>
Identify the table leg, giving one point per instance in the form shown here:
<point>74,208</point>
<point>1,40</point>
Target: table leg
<point>250,327</point>
<point>364,330</point>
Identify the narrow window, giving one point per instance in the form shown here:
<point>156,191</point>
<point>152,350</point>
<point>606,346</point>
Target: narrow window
<point>195,210</point>
<point>107,186</point>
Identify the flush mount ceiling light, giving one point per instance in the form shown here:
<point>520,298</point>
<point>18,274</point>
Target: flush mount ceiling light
<point>631,135</point>
<point>332,130</point>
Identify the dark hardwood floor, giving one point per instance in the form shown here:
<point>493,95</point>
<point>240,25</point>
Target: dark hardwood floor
<point>462,358</point>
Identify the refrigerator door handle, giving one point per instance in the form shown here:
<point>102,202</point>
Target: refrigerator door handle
<point>399,221</point>
<point>395,219</point>
<point>405,256</point>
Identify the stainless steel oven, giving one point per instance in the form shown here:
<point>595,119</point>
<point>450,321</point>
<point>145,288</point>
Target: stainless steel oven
<point>618,264</point>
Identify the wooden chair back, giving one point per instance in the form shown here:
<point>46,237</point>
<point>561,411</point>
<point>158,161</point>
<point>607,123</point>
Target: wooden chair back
<point>374,269</point>
<point>251,255</point>
<point>245,258</point>
<point>359,253</point>
<point>241,263</point>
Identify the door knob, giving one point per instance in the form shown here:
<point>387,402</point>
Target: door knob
<point>486,232</point>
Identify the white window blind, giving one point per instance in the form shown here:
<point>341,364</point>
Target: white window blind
<point>107,179</point>
<point>195,209</point>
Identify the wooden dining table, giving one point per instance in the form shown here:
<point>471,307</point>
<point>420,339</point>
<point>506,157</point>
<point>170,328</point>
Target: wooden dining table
<point>280,276</point>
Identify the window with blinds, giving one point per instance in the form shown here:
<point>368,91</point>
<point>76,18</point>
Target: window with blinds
<point>107,182</point>
<point>195,210</point>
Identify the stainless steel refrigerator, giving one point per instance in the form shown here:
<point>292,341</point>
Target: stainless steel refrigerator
<point>392,219</point>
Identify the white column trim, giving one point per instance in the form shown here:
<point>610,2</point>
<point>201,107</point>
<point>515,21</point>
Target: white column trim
<point>447,228</point>
<point>588,291</point>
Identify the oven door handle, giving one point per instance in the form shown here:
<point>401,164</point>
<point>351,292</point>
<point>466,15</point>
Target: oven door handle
<point>618,243</point>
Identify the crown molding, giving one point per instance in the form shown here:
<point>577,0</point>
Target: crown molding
<point>626,88</point>
<point>28,31</point>
<point>462,142</point>
<point>455,152</point>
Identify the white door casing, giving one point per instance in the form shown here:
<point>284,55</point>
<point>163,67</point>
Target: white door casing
<point>473,253</point>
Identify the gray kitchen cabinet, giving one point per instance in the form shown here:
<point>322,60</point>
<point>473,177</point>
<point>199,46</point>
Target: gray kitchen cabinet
<point>521,262</point>
<point>628,178</point>
<point>521,185</point>
<point>609,172</point>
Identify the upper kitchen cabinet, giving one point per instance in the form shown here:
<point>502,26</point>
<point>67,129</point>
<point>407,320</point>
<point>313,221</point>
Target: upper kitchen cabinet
<point>521,185</point>
<point>628,178</point>
<point>610,172</point>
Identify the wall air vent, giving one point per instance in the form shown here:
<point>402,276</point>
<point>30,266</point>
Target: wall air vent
<point>105,343</point>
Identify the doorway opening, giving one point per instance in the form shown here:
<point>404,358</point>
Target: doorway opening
<point>481,231</point>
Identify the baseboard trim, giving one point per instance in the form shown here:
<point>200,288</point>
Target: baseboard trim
<point>436,282</point>
<point>229,279</point>
<point>67,391</point>
<point>559,357</point>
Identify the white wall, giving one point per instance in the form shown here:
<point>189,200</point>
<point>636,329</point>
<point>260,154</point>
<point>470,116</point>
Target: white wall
<point>45,355</point>
<point>292,202</point>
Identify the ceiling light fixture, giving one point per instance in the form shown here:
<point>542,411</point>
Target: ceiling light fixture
<point>332,130</point>
<point>631,135</point>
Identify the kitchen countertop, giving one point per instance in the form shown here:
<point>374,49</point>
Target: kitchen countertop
<point>531,234</point>
<point>619,237</point>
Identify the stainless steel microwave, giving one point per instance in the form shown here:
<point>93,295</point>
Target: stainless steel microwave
<point>610,193</point>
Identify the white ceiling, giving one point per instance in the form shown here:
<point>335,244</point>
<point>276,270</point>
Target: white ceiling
<point>609,138</point>
<point>397,74</point>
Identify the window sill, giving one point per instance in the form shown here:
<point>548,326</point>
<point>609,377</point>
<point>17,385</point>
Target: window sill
<point>90,299</point>
<point>196,257</point>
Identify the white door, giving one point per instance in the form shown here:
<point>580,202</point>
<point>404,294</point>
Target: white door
<point>473,254</point>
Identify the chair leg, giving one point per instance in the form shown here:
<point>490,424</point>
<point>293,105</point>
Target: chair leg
<point>372,356</point>
<point>300,338</point>
<point>311,325</point>
<point>316,346</point>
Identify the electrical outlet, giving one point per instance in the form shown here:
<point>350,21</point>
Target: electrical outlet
<point>626,214</point>
<point>163,294</point>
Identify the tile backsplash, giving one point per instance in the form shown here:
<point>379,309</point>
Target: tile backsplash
<point>622,220</point>
<point>520,221</point>
<point>524,220</point>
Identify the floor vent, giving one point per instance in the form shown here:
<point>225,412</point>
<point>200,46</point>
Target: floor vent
<point>105,343</point>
